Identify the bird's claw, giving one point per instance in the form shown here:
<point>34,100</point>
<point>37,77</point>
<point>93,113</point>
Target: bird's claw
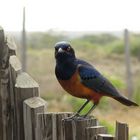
<point>73,117</point>
<point>76,117</point>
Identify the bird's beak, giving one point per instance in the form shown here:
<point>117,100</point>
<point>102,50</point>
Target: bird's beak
<point>60,50</point>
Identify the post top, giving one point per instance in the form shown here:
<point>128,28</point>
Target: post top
<point>25,81</point>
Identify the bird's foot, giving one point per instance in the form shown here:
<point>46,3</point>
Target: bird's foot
<point>73,117</point>
<point>77,117</point>
<point>81,117</point>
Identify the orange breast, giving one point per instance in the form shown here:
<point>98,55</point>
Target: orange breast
<point>77,89</point>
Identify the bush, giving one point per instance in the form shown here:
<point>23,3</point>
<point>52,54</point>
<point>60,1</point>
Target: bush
<point>135,46</point>
<point>119,48</point>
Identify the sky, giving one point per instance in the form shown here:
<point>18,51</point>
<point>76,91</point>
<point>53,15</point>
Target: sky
<point>71,15</point>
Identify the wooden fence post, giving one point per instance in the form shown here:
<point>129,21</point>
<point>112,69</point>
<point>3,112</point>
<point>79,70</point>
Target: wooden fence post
<point>49,125</point>
<point>25,88</point>
<point>75,129</point>
<point>129,81</point>
<point>92,132</point>
<point>122,132</point>
<point>59,117</point>
<point>105,137</point>
<point>7,119</point>
<point>14,70</point>
<point>31,107</point>
<point>4,113</point>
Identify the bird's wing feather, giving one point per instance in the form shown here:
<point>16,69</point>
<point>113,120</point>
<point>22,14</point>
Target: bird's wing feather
<point>82,62</point>
<point>91,78</point>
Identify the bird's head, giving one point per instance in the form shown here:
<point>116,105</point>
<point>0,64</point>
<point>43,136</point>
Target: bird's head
<point>64,51</point>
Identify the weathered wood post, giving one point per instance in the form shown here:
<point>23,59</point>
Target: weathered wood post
<point>129,81</point>
<point>7,114</point>
<point>75,129</point>
<point>4,101</point>
<point>25,88</point>
<point>15,87</point>
<point>122,132</point>
<point>31,107</point>
<point>24,42</point>
<point>92,132</point>
<point>49,125</point>
<point>14,70</point>
<point>105,137</point>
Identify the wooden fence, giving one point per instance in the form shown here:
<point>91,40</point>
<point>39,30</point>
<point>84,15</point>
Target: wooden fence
<point>23,113</point>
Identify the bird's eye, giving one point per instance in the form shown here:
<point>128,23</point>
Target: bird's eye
<point>68,49</point>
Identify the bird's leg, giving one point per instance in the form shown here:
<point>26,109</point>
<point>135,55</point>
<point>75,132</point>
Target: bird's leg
<point>82,107</point>
<point>91,109</point>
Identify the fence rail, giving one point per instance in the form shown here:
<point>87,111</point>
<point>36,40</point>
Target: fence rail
<point>23,113</point>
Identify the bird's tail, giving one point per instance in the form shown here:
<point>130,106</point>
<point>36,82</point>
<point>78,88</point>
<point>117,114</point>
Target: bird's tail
<point>125,101</point>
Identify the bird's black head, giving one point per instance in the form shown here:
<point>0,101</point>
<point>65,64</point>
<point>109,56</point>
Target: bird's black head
<point>64,51</point>
<point>65,58</point>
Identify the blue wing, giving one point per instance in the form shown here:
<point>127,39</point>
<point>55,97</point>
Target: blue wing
<point>91,78</point>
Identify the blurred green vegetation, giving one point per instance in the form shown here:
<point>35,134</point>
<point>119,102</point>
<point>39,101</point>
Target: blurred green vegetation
<point>106,42</point>
<point>110,127</point>
<point>38,40</point>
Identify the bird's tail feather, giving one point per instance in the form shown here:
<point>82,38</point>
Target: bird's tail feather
<point>125,101</point>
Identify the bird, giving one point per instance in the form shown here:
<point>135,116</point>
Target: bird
<point>81,79</point>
